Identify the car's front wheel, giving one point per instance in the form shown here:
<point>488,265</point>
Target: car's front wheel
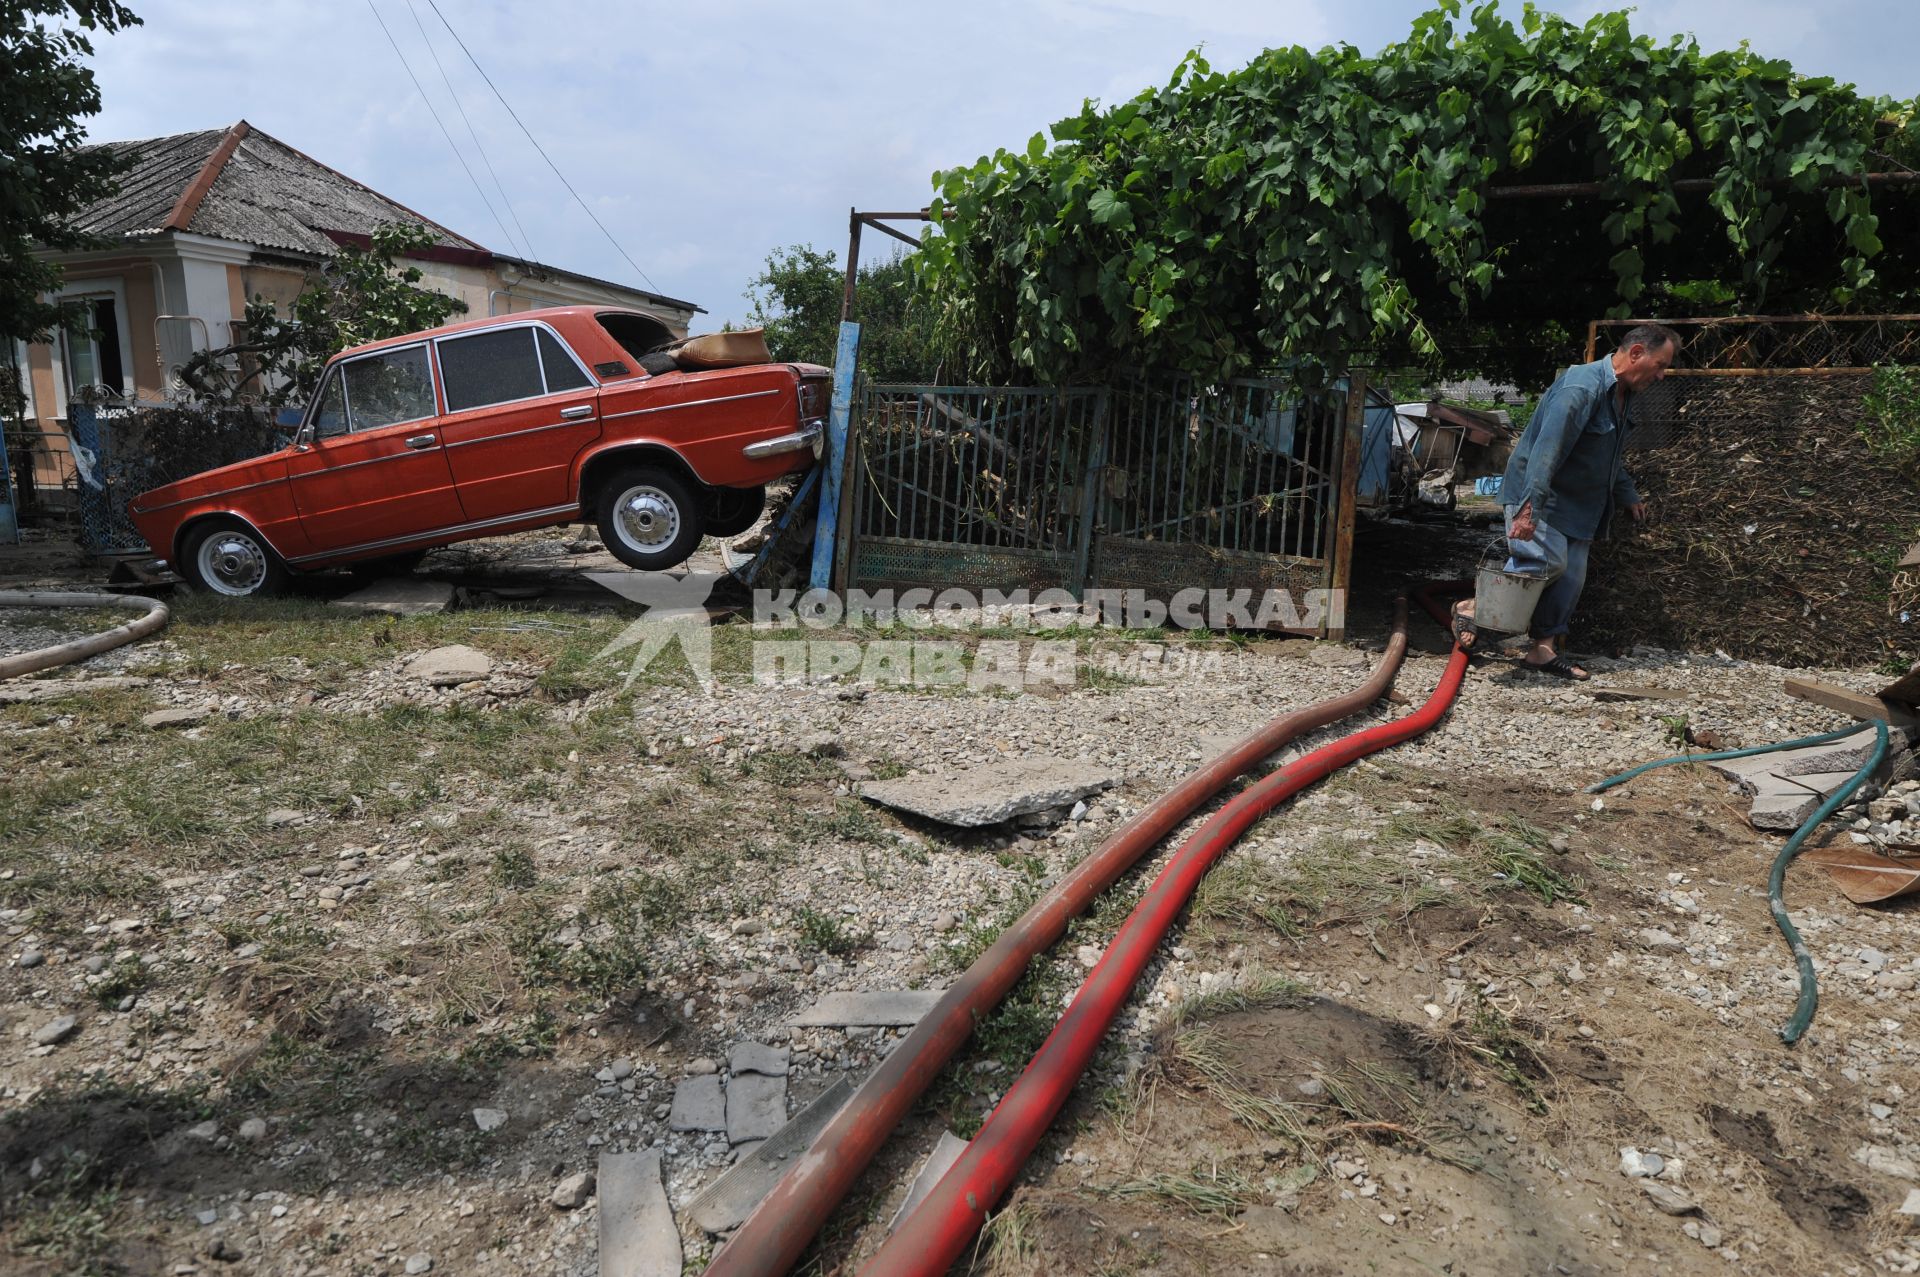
<point>229,558</point>
<point>649,519</point>
<point>734,510</point>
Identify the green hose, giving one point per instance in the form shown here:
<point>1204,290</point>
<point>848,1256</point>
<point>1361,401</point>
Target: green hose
<point>1809,999</point>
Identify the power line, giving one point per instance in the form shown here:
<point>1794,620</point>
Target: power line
<point>478,145</point>
<point>505,234</point>
<point>536,142</point>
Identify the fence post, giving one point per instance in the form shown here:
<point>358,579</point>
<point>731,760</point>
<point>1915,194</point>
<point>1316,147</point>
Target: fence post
<point>1335,626</point>
<point>827,530</point>
<point>1090,481</point>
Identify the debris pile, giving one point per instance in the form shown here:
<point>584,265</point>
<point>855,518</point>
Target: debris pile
<point>1774,532</point>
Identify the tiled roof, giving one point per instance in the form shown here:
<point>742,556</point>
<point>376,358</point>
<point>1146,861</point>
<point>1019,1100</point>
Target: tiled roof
<point>242,184</point>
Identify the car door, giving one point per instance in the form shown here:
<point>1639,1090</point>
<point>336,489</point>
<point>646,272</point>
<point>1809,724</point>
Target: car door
<point>370,468</point>
<point>520,407</point>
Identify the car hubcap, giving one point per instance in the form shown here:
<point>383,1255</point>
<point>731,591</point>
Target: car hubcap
<point>232,563</point>
<point>649,520</point>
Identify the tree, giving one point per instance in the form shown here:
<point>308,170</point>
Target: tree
<point>47,176</point>
<point>1312,205</point>
<point>797,298</point>
<point>360,295</point>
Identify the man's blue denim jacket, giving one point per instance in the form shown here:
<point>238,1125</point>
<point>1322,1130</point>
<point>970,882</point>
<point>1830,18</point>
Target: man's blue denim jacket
<point>1571,459</point>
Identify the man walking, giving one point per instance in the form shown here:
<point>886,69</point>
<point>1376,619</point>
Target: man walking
<point>1566,478</point>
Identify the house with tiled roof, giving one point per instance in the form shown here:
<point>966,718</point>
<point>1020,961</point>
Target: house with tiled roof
<point>203,222</point>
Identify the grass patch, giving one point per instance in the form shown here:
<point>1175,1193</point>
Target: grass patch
<point>1260,991</point>
<point>825,933</point>
<point>788,769</point>
<point>1214,1192</point>
<point>513,867</point>
<point>1510,853</point>
<point>1485,1038</point>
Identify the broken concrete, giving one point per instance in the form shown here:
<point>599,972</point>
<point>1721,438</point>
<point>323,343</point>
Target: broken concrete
<point>53,689</point>
<point>988,795</point>
<point>727,1202</point>
<point>698,1105</point>
<point>938,1163</point>
<point>1848,754</point>
<point>638,1237</point>
<point>752,1057</point>
<point>756,1107</point>
<point>451,666</point>
<point>400,596</point>
<point>880,1007</point>
<point>161,719</point>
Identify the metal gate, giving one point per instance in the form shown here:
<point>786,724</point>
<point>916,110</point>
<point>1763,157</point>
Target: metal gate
<point>1157,486</point>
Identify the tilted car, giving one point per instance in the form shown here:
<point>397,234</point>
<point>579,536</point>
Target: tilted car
<point>493,426</point>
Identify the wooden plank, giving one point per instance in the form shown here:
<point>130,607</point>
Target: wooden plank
<point>1904,690</point>
<point>827,528</point>
<point>1858,704</point>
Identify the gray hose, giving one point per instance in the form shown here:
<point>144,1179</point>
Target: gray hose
<point>79,649</point>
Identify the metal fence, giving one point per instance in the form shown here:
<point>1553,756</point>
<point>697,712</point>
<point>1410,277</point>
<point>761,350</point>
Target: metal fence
<point>1156,486</point>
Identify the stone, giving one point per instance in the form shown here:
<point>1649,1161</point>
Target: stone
<point>945,1153</point>
<point>1670,1200</point>
<point>31,958</point>
<point>756,1107</point>
<point>1912,1205</point>
<point>1637,1165</point>
<point>1709,1236</point>
<point>622,1069</point>
<point>281,817</point>
<point>1312,1087</point>
<point>638,1237</point>
<point>700,1066</point>
<point>820,745</point>
<point>1660,941</point>
<point>205,1132</point>
<point>880,1007</point>
<point>698,1105</point>
<point>573,1192</point>
<point>207,1218</point>
<point>253,1130</point>
<point>753,1057</point>
<point>1880,1112</point>
<point>945,922</point>
<point>489,1119</point>
<point>726,1203</point>
<point>1848,754</point>
<point>399,596</point>
<point>450,666</point>
<point>55,1031</point>
<point>225,1251</point>
<point>163,718</point>
<point>1887,1161</point>
<point>993,793</point>
<point>419,1262</point>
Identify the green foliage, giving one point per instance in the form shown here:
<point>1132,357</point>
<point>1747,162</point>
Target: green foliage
<point>362,295</point>
<point>1312,204</point>
<point>47,175</point>
<point>825,934</point>
<point>1892,424</point>
<point>797,298</point>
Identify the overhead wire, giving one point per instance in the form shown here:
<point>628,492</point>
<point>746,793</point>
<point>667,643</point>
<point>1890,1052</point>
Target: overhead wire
<point>434,4</point>
<point>408,67</point>
<point>526,240</point>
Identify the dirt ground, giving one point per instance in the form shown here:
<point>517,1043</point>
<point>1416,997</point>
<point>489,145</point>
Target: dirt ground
<point>1409,1025</point>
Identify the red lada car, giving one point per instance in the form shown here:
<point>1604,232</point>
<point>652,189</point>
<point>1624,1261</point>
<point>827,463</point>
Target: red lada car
<point>492,426</point>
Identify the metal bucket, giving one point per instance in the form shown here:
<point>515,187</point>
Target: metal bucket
<point>1503,601</point>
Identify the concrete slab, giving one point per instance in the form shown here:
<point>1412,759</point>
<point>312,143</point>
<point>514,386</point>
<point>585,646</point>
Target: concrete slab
<point>400,596</point>
<point>756,1107</point>
<point>451,666</point>
<point>988,795</point>
<point>1825,784</point>
<point>727,1202</point>
<point>938,1163</point>
<point>1780,804</point>
<point>753,1057</point>
<point>888,1007</point>
<point>637,1233</point>
<point>698,1105</point>
<point>1743,769</point>
<point>1848,754</point>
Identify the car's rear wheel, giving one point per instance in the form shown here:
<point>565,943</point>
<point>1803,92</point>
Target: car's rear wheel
<point>734,510</point>
<point>229,558</point>
<point>649,519</point>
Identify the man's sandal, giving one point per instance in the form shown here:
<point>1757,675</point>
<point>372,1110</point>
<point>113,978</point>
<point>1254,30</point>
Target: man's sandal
<point>1464,632</point>
<point>1559,667</point>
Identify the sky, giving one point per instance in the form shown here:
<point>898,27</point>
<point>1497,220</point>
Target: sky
<point>705,136</point>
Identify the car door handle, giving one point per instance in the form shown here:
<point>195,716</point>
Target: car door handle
<point>576,412</point>
<point>420,441</point>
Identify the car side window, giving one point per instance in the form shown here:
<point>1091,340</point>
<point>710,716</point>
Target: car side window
<point>389,388</point>
<point>490,368</point>
<point>562,372</point>
<point>330,415</point>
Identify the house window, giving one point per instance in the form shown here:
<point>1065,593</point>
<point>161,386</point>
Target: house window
<point>93,355</point>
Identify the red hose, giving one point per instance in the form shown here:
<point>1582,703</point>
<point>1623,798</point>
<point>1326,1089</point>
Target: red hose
<point>786,1220</point>
<point>931,1238</point>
